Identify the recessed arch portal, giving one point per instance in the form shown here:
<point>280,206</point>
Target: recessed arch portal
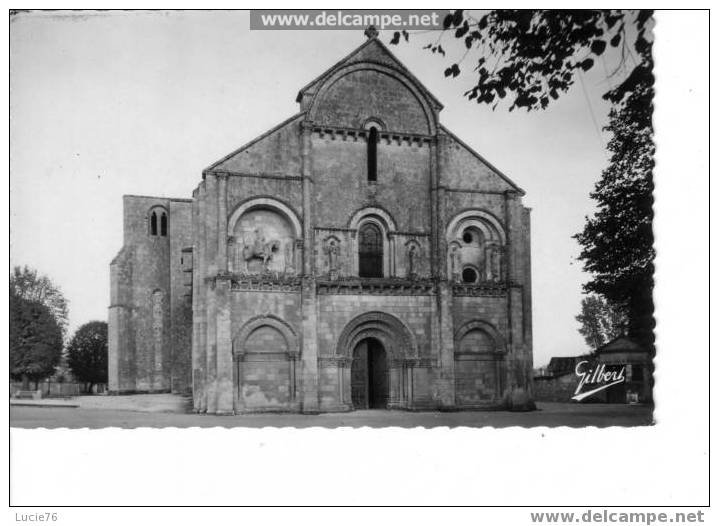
<point>398,340</point>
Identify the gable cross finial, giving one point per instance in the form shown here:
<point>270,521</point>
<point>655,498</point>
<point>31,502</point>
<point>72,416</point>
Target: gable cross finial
<point>371,32</point>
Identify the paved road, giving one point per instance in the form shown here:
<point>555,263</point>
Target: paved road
<point>549,414</point>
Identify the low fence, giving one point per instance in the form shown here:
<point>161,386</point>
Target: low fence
<point>59,389</point>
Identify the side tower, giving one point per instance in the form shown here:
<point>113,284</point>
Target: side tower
<point>149,322</point>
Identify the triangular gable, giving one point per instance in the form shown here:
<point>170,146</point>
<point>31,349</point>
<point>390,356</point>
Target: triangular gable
<point>462,156</point>
<point>274,152</point>
<point>373,50</point>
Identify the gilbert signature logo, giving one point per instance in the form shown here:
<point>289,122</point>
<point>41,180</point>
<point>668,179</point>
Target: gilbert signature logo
<point>599,376</point>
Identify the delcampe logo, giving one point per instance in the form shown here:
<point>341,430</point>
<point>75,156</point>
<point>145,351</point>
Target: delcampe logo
<point>595,375</point>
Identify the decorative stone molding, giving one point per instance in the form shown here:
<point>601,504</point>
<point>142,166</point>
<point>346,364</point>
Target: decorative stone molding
<point>334,361</point>
<point>268,320</point>
<point>486,327</point>
<point>398,341</point>
<point>489,288</point>
<point>335,133</point>
<point>385,218</point>
<point>241,282</point>
<point>334,229</point>
<point>257,175</point>
<point>270,203</point>
<point>378,286</point>
<point>429,104</point>
<point>408,234</point>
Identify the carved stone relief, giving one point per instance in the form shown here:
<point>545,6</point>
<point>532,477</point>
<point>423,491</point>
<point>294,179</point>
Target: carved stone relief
<point>263,244</point>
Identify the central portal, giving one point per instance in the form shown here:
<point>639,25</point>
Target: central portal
<point>370,382</point>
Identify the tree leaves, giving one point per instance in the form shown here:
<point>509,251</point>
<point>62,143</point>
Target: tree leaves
<point>598,47</point>
<point>35,339</point>
<point>535,54</point>
<point>600,321</point>
<point>617,242</point>
<point>462,30</point>
<point>87,353</point>
<point>27,284</point>
<point>453,70</point>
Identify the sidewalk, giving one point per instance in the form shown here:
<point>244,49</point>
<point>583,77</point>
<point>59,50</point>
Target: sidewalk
<point>45,402</point>
<point>144,403</point>
<point>549,415</point>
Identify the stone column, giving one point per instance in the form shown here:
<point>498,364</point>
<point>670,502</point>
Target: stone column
<point>223,359</point>
<point>199,310</point>
<point>444,289</point>
<point>446,340</point>
<point>309,391</point>
<point>435,259</point>
<point>224,396</point>
<point>307,200</point>
<point>222,223</point>
<point>211,245</point>
<point>518,380</point>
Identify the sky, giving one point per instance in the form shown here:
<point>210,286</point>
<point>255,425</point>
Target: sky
<point>109,104</point>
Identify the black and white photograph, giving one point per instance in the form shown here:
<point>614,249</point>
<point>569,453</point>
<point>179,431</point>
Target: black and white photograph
<point>350,224</point>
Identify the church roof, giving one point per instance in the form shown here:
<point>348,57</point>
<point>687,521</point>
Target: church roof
<point>373,50</point>
<point>620,344</point>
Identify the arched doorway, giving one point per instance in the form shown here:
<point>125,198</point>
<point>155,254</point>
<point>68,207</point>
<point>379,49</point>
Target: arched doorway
<point>369,376</point>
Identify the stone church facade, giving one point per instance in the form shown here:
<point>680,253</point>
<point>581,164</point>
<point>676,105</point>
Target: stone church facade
<point>357,255</point>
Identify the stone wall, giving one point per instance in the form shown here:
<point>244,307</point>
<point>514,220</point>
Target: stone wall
<point>341,189</point>
<point>270,335</point>
<point>149,310</point>
<point>370,93</point>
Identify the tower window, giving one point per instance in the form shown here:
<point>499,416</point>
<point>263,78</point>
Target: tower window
<point>153,224</point>
<point>163,224</point>
<point>370,251</point>
<point>372,155</point>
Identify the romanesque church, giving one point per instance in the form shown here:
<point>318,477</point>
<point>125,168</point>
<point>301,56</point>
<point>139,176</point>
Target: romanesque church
<point>357,255</point>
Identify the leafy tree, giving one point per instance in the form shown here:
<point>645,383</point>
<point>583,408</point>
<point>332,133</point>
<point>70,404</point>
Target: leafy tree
<point>27,284</point>
<point>617,243</point>
<point>600,321</point>
<point>87,353</point>
<point>532,57</point>
<point>35,340</point>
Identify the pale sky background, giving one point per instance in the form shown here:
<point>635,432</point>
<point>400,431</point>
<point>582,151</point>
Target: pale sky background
<point>139,103</point>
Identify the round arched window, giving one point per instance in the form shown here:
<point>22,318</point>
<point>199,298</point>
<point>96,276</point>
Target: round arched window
<point>469,275</point>
<point>370,251</point>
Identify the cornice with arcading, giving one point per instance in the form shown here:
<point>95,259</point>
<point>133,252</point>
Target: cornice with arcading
<point>377,286</point>
<point>484,288</point>
<point>269,282</point>
<point>357,134</point>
